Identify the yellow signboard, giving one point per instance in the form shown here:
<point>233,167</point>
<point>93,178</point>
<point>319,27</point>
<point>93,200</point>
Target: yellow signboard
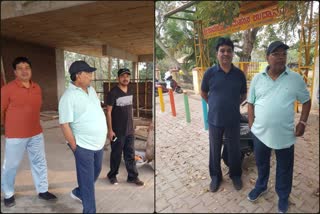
<point>262,17</point>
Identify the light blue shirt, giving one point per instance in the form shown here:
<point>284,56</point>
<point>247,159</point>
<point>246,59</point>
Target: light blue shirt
<point>273,102</point>
<point>84,114</point>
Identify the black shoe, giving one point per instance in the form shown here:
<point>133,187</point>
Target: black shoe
<point>237,183</point>
<point>9,202</point>
<point>136,181</point>
<point>255,194</point>
<point>113,180</point>
<point>283,205</point>
<point>214,185</point>
<point>47,196</point>
<point>75,196</point>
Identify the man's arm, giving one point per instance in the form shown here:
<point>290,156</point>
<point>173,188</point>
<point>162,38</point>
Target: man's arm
<point>250,114</point>
<point>109,123</point>
<point>243,97</point>
<point>2,116</point>
<point>204,95</point>
<point>303,118</point>
<point>67,132</point>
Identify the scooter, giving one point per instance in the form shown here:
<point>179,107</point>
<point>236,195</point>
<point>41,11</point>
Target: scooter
<point>164,85</point>
<point>246,139</point>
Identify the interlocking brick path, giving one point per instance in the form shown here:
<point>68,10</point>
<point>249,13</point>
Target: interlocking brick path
<point>182,174</point>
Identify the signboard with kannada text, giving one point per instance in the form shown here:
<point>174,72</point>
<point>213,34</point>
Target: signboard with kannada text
<point>262,17</point>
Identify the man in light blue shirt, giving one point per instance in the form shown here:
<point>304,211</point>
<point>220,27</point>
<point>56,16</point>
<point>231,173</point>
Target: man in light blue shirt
<point>271,118</point>
<point>84,126</point>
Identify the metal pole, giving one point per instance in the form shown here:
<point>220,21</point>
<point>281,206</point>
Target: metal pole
<point>173,108</point>
<point>205,114</point>
<point>186,106</point>
<point>161,98</point>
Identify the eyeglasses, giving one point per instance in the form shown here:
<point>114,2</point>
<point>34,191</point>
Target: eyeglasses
<point>278,54</point>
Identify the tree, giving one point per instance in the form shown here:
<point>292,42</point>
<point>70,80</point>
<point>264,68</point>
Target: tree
<point>172,37</point>
<point>225,12</point>
<point>246,41</point>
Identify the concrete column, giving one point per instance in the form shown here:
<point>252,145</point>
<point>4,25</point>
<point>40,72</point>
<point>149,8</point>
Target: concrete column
<point>109,72</point>
<point>137,71</point>
<point>134,69</point>
<point>196,86</point>
<point>60,72</point>
<point>315,101</point>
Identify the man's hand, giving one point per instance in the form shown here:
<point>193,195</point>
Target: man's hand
<point>67,132</point>
<point>73,147</point>
<point>299,129</point>
<point>110,135</point>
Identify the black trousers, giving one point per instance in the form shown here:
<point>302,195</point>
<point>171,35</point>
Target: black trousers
<point>232,135</point>
<point>125,144</point>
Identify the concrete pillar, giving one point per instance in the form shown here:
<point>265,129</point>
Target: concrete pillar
<point>196,86</point>
<point>61,79</point>
<point>109,72</point>
<point>137,71</point>
<point>134,69</point>
<point>315,100</point>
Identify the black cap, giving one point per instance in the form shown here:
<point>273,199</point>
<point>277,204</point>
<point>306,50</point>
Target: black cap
<point>81,65</point>
<point>276,44</point>
<point>123,71</point>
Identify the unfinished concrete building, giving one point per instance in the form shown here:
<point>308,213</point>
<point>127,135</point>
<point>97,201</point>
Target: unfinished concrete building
<point>43,30</point>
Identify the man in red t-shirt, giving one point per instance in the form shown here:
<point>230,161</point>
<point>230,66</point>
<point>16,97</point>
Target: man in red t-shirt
<point>20,115</point>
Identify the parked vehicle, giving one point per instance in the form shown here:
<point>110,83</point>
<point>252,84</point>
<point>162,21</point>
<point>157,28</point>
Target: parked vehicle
<point>169,83</point>
<point>246,140</point>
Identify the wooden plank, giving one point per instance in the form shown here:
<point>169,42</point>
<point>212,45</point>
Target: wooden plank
<point>3,75</point>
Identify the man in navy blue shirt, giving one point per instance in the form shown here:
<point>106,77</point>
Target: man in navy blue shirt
<point>224,87</point>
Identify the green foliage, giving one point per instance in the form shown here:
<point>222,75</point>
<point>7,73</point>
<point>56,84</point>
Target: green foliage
<point>102,74</point>
<point>146,72</point>
<point>224,12</point>
<point>160,54</point>
<point>178,36</point>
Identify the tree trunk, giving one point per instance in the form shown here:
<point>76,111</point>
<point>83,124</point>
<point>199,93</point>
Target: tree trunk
<point>249,37</point>
<point>176,63</point>
<point>161,45</point>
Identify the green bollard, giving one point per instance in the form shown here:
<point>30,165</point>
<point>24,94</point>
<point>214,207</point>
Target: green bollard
<point>186,106</point>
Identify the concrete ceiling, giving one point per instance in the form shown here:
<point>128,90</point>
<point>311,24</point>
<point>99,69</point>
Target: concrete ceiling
<point>90,28</point>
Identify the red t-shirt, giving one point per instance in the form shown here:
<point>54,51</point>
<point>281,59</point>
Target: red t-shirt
<point>22,109</point>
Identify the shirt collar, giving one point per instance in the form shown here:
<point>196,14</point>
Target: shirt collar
<point>73,86</point>
<point>265,71</point>
<point>19,83</point>
<point>220,69</point>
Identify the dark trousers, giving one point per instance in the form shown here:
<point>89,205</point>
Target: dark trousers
<point>125,144</point>
<point>284,169</point>
<point>232,135</point>
<point>88,164</point>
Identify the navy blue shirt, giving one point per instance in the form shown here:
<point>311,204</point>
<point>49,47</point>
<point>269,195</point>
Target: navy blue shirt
<point>224,90</point>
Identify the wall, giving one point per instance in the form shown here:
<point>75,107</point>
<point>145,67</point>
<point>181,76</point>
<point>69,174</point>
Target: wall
<point>315,99</point>
<point>43,67</point>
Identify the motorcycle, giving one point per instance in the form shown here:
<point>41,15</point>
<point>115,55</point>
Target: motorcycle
<point>170,82</point>
<point>246,139</point>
